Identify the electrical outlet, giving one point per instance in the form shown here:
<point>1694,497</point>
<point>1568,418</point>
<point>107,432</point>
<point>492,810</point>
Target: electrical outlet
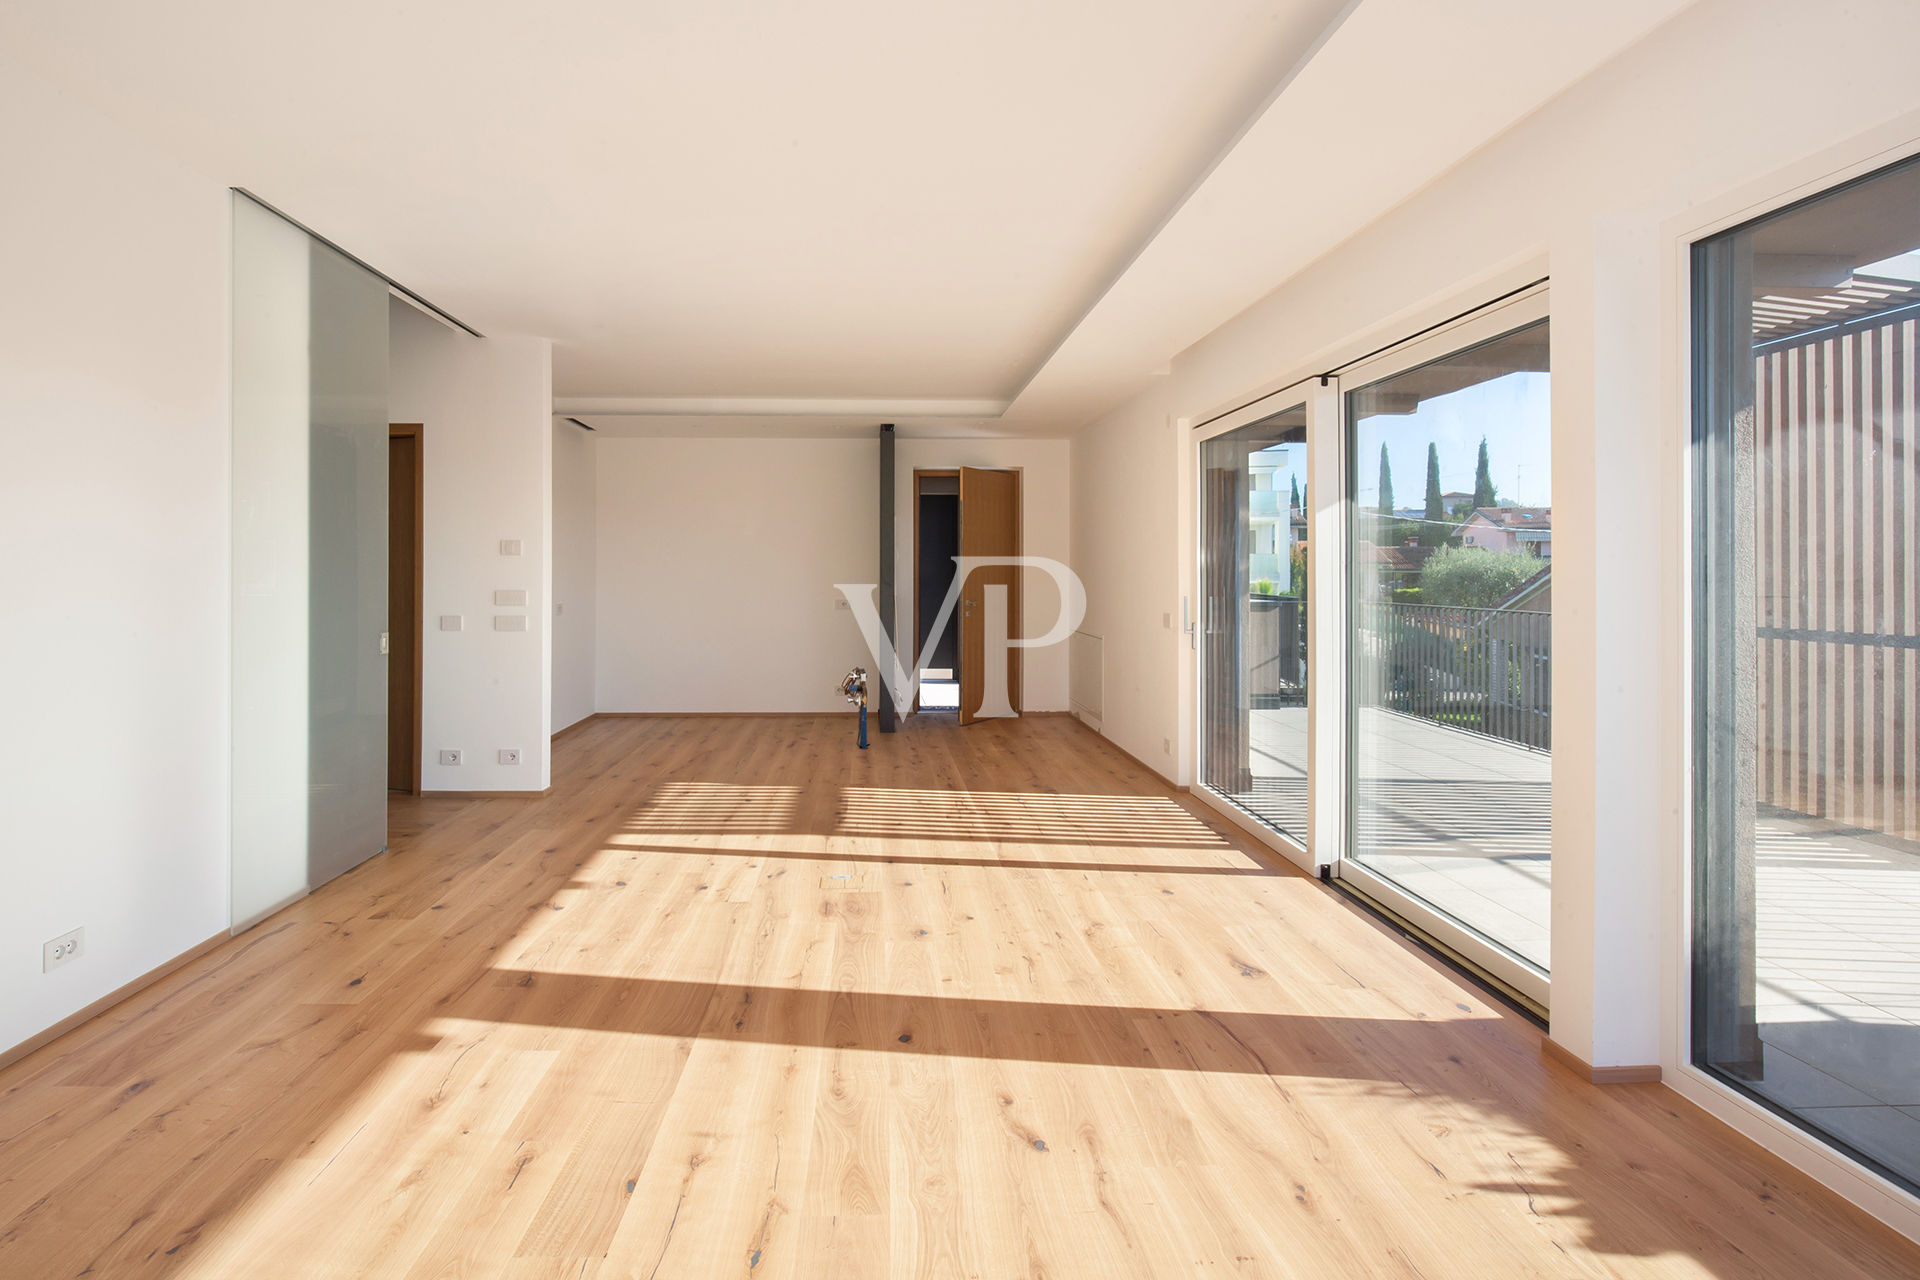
<point>450,756</point>
<point>509,755</point>
<point>1166,746</point>
<point>62,949</point>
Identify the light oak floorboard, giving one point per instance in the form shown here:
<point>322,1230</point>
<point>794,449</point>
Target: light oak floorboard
<point>737,999</point>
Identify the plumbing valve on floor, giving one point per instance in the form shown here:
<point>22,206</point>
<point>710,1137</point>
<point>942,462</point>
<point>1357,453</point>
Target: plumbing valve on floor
<point>854,686</point>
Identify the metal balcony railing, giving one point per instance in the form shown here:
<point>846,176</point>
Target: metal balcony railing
<point>1484,671</point>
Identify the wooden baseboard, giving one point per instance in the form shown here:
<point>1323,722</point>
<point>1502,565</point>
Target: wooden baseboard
<point>581,723</point>
<point>592,716</point>
<point>1551,1048</point>
<point>1122,750</point>
<point>713,715</point>
<point>484,795</point>
<point>258,916</point>
<point>710,715</point>
<point>10,1056</point>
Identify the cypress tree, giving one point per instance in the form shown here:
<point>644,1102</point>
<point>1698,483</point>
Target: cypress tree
<point>1386,482</point>
<point>1433,531</point>
<point>1293,503</point>
<point>1483,495</point>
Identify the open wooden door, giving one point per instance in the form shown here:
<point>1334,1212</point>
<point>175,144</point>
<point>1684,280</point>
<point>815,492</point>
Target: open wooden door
<point>989,526</point>
<point>404,531</point>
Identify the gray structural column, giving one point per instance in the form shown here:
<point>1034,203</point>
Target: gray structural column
<point>888,603</point>
<point>1726,1030</point>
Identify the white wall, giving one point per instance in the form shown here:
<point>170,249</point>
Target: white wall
<point>485,406</point>
<point>1126,539</point>
<point>1045,530</point>
<point>717,565</point>
<point>574,541</point>
<point>114,506</point>
<point>1594,188</point>
<point>717,561</point>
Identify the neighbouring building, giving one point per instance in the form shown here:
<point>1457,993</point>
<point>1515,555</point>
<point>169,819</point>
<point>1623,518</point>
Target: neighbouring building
<point>1528,529</point>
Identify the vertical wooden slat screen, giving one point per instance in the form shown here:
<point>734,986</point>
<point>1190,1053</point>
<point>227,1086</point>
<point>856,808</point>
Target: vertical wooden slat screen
<point>1835,532</point>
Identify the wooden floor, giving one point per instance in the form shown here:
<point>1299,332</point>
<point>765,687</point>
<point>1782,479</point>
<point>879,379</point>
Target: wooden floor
<point>740,1000</point>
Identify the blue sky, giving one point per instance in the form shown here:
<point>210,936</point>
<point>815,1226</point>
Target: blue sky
<point>1512,412</point>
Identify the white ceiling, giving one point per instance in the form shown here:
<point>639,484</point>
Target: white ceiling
<point>751,217</point>
<point>815,425</point>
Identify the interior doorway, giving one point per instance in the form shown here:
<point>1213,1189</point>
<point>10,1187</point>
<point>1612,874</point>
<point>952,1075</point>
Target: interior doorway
<point>936,541</point>
<point>965,512</point>
<point>404,537</point>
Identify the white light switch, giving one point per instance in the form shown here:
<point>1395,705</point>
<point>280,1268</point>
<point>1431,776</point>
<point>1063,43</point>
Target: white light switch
<point>509,622</point>
<point>450,622</point>
<point>509,546</point>
<point>517,596</point>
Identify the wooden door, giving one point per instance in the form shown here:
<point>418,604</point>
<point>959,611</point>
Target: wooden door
<point>403,608</point>
<point>989,526</point>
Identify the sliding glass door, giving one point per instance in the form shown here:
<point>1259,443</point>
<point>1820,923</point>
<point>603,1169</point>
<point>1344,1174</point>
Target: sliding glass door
<point>1431,692</point>
<point>1253,618</point>
<point>1806,886</point>
<point>1450,710</point>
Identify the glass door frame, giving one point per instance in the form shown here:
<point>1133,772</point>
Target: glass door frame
<point>1811,175</point>
<point>1478,950</point>
<point>1321,405</point>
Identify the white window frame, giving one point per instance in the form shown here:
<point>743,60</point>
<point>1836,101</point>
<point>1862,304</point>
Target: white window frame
<point>1879,1196</point>
<point>1323,613</point>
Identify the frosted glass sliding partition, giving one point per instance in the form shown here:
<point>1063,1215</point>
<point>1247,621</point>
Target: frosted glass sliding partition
<point>270,461</point>
<point>347,566</point>
<point>309,562</point>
